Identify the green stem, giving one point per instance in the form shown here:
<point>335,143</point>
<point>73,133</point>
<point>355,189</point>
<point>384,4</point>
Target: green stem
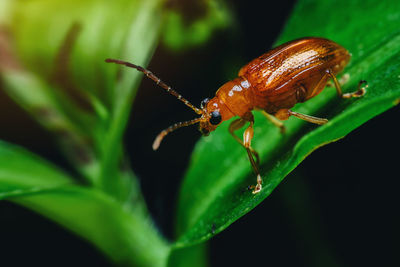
<point>145,29</point>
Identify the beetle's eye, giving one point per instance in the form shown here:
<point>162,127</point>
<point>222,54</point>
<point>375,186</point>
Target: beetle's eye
<point>204,103</point>
<point>215,118</point>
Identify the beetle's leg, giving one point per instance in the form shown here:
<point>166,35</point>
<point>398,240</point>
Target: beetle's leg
<point>236,125</point>
<point>246,143</point>
<point>247,137</point>
<point>360,90</point>
<point>284,114</point>
<point>274,121</point>
<point>308,118</point>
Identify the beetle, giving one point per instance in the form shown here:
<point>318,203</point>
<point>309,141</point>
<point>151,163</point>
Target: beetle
<point>272,83</point>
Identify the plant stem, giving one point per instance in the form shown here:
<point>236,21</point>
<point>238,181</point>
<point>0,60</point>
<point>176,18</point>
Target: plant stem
<point>146,28</point>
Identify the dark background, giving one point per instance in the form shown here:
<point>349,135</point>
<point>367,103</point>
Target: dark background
<point>338,208</point>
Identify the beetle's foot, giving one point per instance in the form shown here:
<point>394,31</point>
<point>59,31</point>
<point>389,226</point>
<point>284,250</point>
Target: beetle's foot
<point>360,91</point>
<point>257,189</point>
<point>258,186</point>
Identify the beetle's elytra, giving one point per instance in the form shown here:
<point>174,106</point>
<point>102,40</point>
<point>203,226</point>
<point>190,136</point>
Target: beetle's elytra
<point>272,83</point>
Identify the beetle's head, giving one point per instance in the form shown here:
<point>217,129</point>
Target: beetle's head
<point>214,112</point>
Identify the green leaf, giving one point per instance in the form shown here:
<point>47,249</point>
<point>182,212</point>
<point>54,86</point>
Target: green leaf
<point>22,172</point>
<point>214,193</point>
<point>126,236</point>
<point>123,233</point>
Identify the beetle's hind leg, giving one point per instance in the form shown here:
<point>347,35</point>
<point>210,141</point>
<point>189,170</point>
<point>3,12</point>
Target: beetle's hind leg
<point>308,118</point>
<point>284,114</point>
<point>246,143</point>
<point>360,90</point>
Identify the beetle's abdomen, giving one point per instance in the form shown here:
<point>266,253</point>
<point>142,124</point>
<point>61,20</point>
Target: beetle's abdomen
<point>289,73</point>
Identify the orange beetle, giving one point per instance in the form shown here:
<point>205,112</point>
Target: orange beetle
<point>272,83</point>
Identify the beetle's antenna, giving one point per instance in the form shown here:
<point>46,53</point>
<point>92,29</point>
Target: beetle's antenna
<point>157,80</point>
<point>172,128</point>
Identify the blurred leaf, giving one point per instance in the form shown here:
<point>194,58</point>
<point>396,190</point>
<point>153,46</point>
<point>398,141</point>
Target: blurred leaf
<point>22,172</point>
<point>4,11</point>
<point>124,235</point>
<point>214,193</point>
<point>103,27</point>
<point>38,99</point>
<point>179,34</point>
<point>60,76</point>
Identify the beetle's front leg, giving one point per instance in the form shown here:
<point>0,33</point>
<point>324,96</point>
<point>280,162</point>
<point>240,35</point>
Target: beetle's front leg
<point>246,143</point>
<point>247,137</point>
<point>236,125</point>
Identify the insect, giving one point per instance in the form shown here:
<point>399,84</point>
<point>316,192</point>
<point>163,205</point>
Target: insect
<point>272,83</point>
